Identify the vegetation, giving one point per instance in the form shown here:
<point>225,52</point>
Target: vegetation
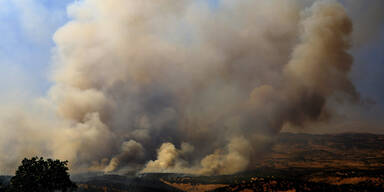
<point>39,175</point>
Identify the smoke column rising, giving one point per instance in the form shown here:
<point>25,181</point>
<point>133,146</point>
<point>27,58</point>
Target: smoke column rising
<point>174,86</point>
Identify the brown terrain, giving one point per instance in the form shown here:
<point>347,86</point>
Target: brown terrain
<point>303,162</point>
<point>194,187</point>
<point>291,162</point>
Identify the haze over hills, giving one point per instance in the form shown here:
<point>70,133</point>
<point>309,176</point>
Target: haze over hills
<point>356,150</point>
<point>301,162</point>
<point>295,162</point>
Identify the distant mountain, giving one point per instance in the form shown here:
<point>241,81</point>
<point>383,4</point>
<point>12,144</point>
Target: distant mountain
<point>349,150</point>
<point>4,181</point>
<point>294,162</point>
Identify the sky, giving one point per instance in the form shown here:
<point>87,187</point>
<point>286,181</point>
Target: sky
<point>27,28</point>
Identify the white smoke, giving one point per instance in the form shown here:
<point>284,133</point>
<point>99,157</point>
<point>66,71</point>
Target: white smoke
<point>174,86</point>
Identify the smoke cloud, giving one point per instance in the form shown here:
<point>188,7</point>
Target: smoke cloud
<point>179,86</point>
<point>170,159</point>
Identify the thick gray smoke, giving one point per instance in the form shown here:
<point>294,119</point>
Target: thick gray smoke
<point>180,86</point>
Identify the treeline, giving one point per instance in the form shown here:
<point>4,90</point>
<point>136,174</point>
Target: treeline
<point>39,175</point>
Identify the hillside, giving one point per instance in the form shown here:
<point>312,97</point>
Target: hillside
<point>293,162</point>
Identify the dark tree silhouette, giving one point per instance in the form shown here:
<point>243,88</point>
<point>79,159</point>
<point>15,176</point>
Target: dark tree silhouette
<point>2,188</point>
<point>39,175</point>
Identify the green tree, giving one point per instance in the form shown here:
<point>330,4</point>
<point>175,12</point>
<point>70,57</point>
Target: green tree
<point>39,175</point>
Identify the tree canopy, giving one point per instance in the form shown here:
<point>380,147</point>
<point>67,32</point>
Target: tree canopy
<point>39,175</point>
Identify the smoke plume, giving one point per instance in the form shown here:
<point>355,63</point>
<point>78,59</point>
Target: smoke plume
<point>181,86</point>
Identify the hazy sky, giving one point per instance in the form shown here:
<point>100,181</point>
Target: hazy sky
<point>26,32</point>
<point>27,28</point>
